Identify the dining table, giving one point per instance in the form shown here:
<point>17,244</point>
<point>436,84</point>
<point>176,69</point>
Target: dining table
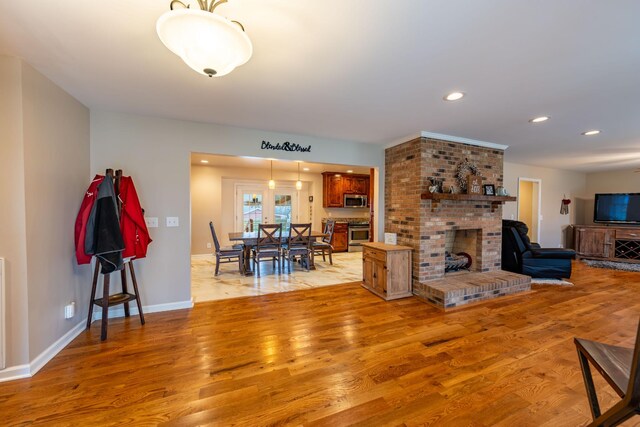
<point>250,240</point>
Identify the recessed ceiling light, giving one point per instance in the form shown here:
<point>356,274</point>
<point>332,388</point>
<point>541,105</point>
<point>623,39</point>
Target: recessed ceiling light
<point>305,169</point>
<point>591,132</point>
<point>539,119</point>
<point>454,96</point>
<point>204,161</point>
<point>350,171</point>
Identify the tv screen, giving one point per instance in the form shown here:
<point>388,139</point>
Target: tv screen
<point>623,208</point>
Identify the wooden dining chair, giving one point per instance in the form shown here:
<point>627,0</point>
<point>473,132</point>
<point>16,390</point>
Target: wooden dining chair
<point>298,244</point>
<point>268,245</point>
<point>226,254</point>
<point>324,246</point>
<point>619,366</point>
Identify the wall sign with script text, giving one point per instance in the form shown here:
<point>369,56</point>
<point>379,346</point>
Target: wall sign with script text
<point>285,146</point>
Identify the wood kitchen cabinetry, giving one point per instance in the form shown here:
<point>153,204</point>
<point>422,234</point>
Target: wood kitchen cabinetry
<point>386,270</point>
<point>340,239</point>
<point>613,243</point>
<point>336,185</point>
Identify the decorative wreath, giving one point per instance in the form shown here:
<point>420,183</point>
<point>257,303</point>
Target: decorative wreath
<point>465,169</point>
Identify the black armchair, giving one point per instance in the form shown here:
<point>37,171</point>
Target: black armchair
<point>519,255</point>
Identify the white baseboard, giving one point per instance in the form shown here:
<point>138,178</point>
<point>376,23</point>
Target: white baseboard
<point>133,309</point>
<point>26,371</point>
<point>15,373</point>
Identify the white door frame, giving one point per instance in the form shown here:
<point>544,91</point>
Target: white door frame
<point>267,202</point>
<point>539,182</point>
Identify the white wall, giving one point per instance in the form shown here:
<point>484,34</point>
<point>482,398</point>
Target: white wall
<point>556,183</point>
<point>156,153</point>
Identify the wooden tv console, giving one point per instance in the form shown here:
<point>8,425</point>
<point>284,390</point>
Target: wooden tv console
<point>610,242</point>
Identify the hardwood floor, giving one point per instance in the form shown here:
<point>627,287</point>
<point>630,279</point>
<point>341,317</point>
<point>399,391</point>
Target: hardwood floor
<point>338,356</point>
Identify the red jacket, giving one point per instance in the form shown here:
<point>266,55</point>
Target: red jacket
<point>132,224</point>
<point>81,221</point>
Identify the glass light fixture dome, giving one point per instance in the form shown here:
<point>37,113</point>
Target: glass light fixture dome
<point>209,43</point>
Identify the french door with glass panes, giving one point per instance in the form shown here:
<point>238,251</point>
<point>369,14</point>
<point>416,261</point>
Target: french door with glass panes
<point>257,204</point>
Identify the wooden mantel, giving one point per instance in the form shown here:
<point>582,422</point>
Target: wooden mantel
<point>494,200</point>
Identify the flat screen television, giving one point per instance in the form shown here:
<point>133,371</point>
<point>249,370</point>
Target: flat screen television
<point>621,208</point>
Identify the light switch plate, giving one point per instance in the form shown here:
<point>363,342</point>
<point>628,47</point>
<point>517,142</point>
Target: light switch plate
<point>172,221</point>
<point>151,221</point>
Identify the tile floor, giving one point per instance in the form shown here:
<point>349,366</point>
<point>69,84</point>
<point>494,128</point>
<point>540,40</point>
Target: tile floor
<point>347,267</point>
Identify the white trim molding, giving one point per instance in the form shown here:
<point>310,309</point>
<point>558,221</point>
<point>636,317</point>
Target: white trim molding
<point>443,137</point>
<point>115,312</point>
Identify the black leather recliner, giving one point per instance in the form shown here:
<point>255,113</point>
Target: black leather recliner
<point>519,255</point>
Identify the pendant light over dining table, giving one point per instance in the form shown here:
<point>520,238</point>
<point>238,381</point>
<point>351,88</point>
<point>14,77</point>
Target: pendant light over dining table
<point>207,42</point>
<point>298,182</point>
<point>272,183</point>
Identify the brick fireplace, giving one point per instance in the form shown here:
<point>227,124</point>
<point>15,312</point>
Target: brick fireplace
<point>426,225</point>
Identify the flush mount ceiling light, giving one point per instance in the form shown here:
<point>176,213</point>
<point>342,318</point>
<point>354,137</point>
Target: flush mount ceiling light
<point>305,169</point>
<point>204,161</point>
<point>539,119</point>
<point>591,132</point>
<point>209,43</point>
<point>454,96</point>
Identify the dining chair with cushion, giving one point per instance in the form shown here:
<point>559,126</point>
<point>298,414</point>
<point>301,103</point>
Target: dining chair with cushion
<point>268,245</point>
<point>298,244</point>
<point>324,246</point>
<point>227,254</point>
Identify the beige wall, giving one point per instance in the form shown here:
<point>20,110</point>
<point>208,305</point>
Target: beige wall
<point>156,152</point>
<point>45,169</point>
<point>525,206</point>
<point>620,181</point>
<point>13,242</point>
<point>56,149</point>
<point>555,184</point>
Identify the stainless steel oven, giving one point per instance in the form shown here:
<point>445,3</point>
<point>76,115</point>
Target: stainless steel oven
<point>355,201</point>
<point>358,234</point>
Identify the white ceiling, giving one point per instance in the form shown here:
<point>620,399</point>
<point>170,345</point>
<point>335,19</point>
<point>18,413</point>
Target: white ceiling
<point>367,70</point>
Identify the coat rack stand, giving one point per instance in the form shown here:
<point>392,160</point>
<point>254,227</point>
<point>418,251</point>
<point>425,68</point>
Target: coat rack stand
<point>120,298</point>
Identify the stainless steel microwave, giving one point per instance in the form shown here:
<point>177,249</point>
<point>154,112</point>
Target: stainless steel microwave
<point>355,201</point>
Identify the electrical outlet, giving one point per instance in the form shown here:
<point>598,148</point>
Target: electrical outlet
<point>151,221</point>
<point>208,245</point>
<point>70,310</point>
<point>173,221</point>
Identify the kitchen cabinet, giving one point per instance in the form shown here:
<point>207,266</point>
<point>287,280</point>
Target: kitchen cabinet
<point>608,242</point>
<point>335,185</point>
<point>332,190</point>
<point>386,270</point>
<point>340,239</point>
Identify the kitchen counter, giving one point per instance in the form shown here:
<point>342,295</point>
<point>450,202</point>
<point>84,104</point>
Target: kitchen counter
<point>360,221</point>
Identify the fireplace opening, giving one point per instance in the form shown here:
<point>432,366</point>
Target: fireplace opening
<point>461,251</point>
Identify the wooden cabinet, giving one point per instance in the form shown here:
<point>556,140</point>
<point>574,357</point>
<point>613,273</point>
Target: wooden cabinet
<point>386,270</point>
<point>340,239</point>
<point>332,190</point>
<point>608,242</point>
<point>336,185</point>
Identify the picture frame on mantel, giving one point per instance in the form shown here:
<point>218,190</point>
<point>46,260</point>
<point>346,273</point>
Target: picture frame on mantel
<point>489,189</point>
<point>474,184</point>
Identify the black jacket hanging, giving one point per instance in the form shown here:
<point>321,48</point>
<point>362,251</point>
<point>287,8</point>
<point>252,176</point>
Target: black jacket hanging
<point>103,237</point>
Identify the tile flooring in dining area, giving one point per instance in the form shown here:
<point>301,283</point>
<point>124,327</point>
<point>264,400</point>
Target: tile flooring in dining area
<point>205,286</point>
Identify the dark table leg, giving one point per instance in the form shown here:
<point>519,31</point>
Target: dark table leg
<point>247,261</point>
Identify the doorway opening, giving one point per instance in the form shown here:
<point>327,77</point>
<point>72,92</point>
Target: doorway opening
<point>530,205</point>
<point>236,195</point>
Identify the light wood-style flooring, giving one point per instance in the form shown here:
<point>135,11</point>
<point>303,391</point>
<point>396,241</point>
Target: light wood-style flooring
<point>338,356</point>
